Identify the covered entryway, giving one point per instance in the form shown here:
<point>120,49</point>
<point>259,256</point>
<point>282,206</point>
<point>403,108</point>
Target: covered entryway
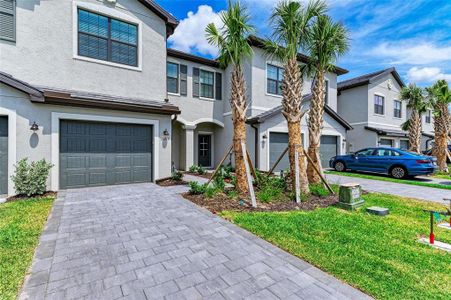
<point>328,149</point>
<point>100,153</point>
<point>278,142</point>
<point>3,155</point>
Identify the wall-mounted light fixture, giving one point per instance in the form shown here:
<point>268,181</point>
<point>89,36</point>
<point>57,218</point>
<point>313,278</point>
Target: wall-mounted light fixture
<point>34,127</point>
<point>264,137</point>
<point>165,134</point>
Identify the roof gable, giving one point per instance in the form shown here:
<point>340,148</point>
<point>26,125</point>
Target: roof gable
<point>369,78</point>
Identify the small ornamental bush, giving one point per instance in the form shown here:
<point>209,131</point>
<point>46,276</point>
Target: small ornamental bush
<point>193,169</point>
<point>31,179</point>
<point>319,190</point>
<point>197,169</point>
<point>177,176</point>
<point>196,188</point>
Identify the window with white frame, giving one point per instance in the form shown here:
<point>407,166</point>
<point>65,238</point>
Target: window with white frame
<point>172,79</point>
<point>397,109</point>
<point>379,104</point>
<point>274,77</point>
<point>207,84</point>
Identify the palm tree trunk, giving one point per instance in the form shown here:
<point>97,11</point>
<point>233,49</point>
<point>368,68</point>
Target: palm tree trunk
<point>291,103</point>
<point>441,131</point>
<point>415,132</point>
<point>315,123</point>
<point>238,105</point>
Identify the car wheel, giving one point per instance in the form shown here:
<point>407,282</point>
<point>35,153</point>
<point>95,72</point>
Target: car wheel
<point>339,166</point>
<point>398,172</point>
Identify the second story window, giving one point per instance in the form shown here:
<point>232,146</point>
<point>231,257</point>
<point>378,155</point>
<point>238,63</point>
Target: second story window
<point>172,80</point>
<point>379,105</point>
<point>107,39</point>
<point>274,77</point>
<point>207,84</point>
<point>397,109</point>
<point>427,118</point>
<point>8,20</point>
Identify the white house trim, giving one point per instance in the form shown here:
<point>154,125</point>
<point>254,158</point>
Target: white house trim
<point>12,155</point>
<point>109,12</point>
<point>198,121</point>
<point>55,130</point>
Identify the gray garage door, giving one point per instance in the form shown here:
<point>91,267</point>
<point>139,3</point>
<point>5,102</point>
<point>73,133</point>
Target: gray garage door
<point>94,153</point>
<point>328,149</point>
<point>278,142</point>
<point>3,155</point>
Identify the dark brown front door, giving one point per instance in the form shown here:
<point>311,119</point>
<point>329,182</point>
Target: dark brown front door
<point>204,146</point>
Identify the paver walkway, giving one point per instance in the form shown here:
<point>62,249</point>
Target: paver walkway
<point>144,241</point>
<point>404,190</point>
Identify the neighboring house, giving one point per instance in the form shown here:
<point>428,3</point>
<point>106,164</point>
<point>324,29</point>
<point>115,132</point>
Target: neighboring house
<point>91,87</point>
<point>371,103</point>
<point>91,75</point>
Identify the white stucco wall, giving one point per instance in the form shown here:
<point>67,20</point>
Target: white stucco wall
<point>46,39</point>
<point>42,145</point>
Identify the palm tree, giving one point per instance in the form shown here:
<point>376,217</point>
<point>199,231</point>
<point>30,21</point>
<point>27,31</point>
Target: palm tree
<point>439,99</point>
<point>291,21</point>
<point>413,95</point>
<point>328,41</point>
<point>232,41</point>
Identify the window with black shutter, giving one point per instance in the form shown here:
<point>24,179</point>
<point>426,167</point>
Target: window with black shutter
<point>8,20</point>
<point>108,39</point>
<point>378,105</point>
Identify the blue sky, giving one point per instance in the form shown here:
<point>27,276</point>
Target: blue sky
<point>412,35</point>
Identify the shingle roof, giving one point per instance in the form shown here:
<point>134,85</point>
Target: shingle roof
<point>260,118</point>
<point>191,57</point>
<point>369,78</point>
<point>259,42</point>
<point>35,93</point>
<point>394,133</point>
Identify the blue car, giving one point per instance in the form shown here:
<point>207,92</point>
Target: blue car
<point>385,160</point>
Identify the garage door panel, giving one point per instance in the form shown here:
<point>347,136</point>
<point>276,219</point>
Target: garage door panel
<point>3,155</point>
<point>108,157</point>
<point>328,149</point>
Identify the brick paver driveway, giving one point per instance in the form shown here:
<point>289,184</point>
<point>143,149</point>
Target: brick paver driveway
<point>144,241</point>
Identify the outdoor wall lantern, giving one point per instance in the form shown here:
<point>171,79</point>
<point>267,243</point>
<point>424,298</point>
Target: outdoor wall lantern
<point>165,134</point>
<point>34,127</point>
<point>264,137</point>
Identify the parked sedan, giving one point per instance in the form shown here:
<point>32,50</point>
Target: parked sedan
<point>429,153</point>
<point>395,162</point>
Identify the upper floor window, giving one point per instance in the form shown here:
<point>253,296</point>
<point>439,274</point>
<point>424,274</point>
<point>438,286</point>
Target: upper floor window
<point>427,118</point>
<point>172,80</point>
<point>274,77</point>
<point>397,109</point>
<point>207,84</point>
<point>108,39</point>
<point>326,92</point>
<point>8,20</point>
<point>379,104</point>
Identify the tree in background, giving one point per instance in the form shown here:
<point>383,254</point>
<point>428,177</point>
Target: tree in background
<point>439,99</point>
<point>232,41</point>
<point>327,41</point>
<point>414,97</point>
<point>290,23</point>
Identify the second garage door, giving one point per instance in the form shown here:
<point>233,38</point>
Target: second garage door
<point>95,154</point>
<point>328,149</point>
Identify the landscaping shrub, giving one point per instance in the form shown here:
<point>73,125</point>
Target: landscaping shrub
<point>197,189</point>
<point>219,182</point>
<point>271,188</point>
<point>193,169</point>
<point>319,190</point>
<point>210,191</point>
<point>177,176</point>
<point>197,169</point>
<point>31,179</point>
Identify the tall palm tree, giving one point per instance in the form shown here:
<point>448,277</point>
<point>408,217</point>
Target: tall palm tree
<point>414,97</point>
<point>439,99</point>
<point>290,22</point>
<point>232,41</point>
<point>328,41</point>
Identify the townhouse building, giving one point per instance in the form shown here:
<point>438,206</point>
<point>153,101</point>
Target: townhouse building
<point>91,87</point>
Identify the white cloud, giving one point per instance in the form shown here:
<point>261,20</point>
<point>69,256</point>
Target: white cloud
<point>413,54</point>
<point>426,74</point>
<point>189,35</point>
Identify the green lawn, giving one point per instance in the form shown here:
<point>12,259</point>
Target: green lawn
<point>385,178</point>
<point>21,223</point>
<point>378,255</point>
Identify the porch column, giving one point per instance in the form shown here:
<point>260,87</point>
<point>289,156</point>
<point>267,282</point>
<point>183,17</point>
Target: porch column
<point>189,146</point>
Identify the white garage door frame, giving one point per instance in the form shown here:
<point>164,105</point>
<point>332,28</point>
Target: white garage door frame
<point>55,145</point>
<point>12,116</point>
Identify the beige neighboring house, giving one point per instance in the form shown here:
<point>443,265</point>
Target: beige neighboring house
<point>91,87</point>
<point>371,103</point>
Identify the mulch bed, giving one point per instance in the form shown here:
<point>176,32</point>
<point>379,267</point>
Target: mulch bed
<point>171,182</point>
<point>206,175</point>
<point>221,202</point>
<point>22,197</point>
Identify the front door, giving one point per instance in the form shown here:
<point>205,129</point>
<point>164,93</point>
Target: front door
<point>204,146</point>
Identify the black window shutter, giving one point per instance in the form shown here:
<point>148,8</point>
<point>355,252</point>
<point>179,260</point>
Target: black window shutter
<point>195,82</point>
<point>183,80</point>
<point>8,20</point>
<point>218,86</point>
